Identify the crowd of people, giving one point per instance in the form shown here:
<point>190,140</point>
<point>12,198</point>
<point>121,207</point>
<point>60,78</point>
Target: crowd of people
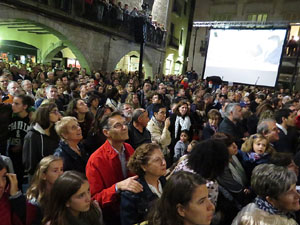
<point>109,148</point>
<point>115,15</point>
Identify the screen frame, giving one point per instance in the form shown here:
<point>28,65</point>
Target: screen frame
<point>287,28</point>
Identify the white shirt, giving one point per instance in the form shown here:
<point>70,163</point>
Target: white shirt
<point>281,128</point>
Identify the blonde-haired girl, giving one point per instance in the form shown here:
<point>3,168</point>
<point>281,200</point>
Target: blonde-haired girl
<point>255,150</point>
<point>48,170</point>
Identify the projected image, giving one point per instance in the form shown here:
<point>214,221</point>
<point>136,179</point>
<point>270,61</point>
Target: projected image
<point>245,56</point>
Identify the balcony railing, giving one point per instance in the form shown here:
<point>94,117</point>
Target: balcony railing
<point>109,17</point>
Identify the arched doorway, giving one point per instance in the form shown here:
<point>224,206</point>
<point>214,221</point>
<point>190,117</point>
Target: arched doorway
<point>46,40</point>
<point>17,51</point>
<point>130,63</point>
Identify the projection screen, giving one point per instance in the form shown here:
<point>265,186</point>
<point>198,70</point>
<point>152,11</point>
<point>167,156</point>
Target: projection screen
<point>245,56</point>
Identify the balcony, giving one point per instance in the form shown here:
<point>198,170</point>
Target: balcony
<point>98,17</point>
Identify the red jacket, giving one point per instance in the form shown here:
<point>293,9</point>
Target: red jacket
<point>297,121</point>
<point>9,212</point>
<point>103,171</point>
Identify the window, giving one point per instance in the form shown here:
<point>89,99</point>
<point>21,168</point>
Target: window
<point>168,66</point>
<point>177,69</point>
<point>262,17</point>
<point>173,41</point>
<point>185,7</point>
<point>134,63</point>
<point>172,29</point>
<point>177,7</point>
<point>181,36</point>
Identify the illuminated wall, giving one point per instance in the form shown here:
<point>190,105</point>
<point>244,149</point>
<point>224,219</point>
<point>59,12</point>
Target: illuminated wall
<point>177,36</point>
<point>41,42</point>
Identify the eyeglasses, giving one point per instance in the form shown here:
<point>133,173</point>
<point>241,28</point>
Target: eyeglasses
<point>55,111</point>
<point>157,160</point>
<point>120,125</point>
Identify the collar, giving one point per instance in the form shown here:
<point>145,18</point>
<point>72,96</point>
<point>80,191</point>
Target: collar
<point>38,128</point>
<point>158,123</point>
<point>281,128</point>
<point>113,153</point>
<point>264,205</point>
<point>144,128</point>
<point>230,121</point>
<point>64,146</point>
<point>122,150</point>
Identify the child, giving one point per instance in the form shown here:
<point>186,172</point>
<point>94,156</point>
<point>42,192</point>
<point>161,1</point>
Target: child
<point>255,150</point>
<point>212,124</point>
<point>189,149</point>
<point>71,202</point>
<point>38,194</point>
<point>191,146</point>
<point>181,146</point>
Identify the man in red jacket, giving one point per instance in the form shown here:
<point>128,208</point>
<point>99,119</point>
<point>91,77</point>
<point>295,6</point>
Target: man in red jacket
<point>106,169</point>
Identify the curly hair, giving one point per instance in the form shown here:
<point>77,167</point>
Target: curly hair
<point>141,157</point>
<point>247,146</point>
<point>209,158</point>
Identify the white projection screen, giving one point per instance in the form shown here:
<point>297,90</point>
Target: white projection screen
<point>245,56</point>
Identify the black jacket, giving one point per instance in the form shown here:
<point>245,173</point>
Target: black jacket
<point>135,207</point>
<point>287,143</point>
<point>235,130</point>
<point>136,138</point>
<point>37,145</point>
<point>207,132</point>
<point>72,161</point>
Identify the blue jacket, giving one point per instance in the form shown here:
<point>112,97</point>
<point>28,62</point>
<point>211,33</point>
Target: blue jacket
<point>135,207</point>
<point>72,161</point>
<point>249,164</point>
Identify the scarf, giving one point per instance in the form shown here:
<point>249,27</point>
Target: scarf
<point>237,171</point>
<point>185,124</point>
<point>267,207</point>
<point>214,128</point>
<point>159,124</point>
<point>254,156</point>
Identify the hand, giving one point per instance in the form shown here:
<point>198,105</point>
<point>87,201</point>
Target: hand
<point>167,122</point>
<point>247,191</point>
<point>13,183</point>
<point>130,184</point>
<point>96,204</point>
